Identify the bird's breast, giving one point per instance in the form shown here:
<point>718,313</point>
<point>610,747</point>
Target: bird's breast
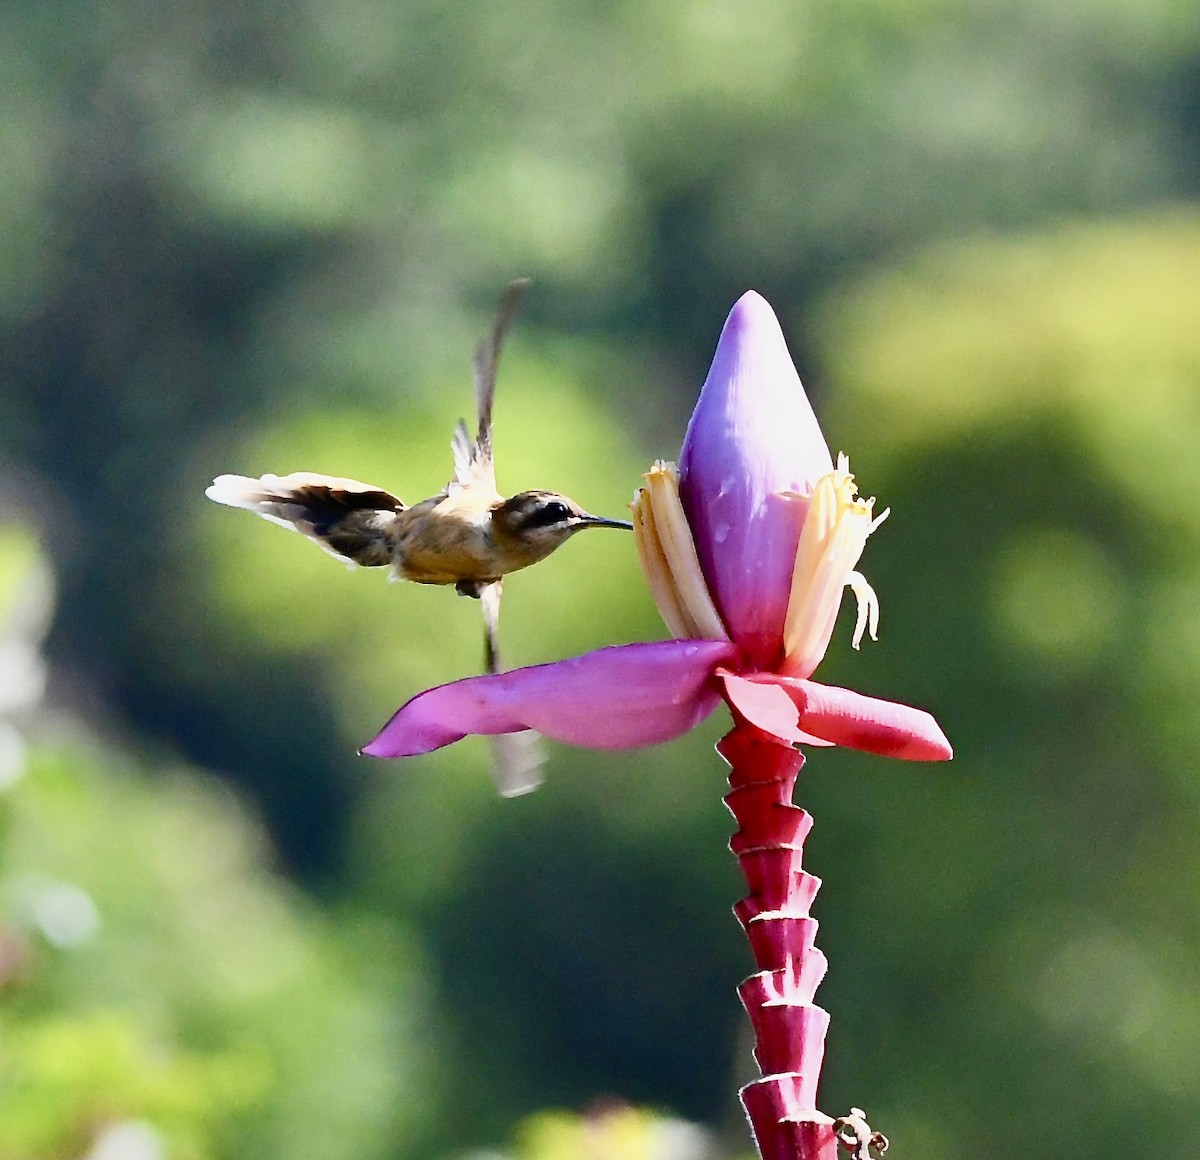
<point>449,539</point>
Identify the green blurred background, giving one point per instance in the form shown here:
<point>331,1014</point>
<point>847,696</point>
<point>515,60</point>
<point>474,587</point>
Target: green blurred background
<point>258,237</point>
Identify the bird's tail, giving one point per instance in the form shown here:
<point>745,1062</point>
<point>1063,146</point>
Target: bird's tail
<point>356,522</point>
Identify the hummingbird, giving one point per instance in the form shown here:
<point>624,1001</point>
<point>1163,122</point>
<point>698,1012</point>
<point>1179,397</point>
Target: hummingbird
<point>467,535</point>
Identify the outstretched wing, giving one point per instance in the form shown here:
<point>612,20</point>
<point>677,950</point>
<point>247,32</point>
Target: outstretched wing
<point>516,757</point>
<point>474,462</point>
<point>489,603</point>
<point>355,522</point>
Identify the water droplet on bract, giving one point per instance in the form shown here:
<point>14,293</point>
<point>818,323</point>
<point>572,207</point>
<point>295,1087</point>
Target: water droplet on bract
<point>727,485</point>
<point>721,532</point>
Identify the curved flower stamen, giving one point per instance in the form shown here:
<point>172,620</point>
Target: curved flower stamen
<point>868,608</point>
<point>832,539</point>
<point>669,559</point>
<point>664,590</point>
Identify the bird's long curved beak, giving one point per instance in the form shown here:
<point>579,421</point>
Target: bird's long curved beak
<point>601,522</point>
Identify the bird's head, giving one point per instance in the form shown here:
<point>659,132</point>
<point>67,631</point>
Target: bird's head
<point>532,524</point>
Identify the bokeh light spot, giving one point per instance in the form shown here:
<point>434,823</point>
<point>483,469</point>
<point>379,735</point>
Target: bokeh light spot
<point>1058,600</point>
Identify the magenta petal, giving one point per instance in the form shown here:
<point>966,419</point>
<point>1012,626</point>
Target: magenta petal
<point>855,721</point>
<point>753,434</point>
<point>614,698</point>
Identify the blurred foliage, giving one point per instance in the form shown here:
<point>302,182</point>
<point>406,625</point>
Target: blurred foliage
<point>611,1133</point>
<point>256,237</point>
<point>153,972</point>
<point>162,992</point>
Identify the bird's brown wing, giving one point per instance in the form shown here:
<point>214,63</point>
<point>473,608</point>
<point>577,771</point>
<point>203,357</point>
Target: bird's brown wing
<point>474,462</point>
<point>516,757</point>
<point>355,522</point>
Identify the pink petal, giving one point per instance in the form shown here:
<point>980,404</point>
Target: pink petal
<point>854,721</point>
<point>767,707</point>
<point>614,698</point>
<point>753,434</point>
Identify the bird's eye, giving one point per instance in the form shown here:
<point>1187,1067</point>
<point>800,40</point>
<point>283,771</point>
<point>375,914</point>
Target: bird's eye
<point>548,515</point>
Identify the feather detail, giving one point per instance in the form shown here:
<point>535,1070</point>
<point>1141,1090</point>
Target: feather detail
<point>474,462</point>
<point>352,521</point>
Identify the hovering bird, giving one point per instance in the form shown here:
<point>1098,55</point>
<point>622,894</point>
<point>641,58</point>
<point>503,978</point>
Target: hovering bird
<point>467,535</point>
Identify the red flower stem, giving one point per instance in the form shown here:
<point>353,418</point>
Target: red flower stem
<point>789,1029</point>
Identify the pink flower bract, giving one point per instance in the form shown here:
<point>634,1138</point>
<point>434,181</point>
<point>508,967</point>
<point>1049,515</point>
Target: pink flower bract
<point>752,438</point>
